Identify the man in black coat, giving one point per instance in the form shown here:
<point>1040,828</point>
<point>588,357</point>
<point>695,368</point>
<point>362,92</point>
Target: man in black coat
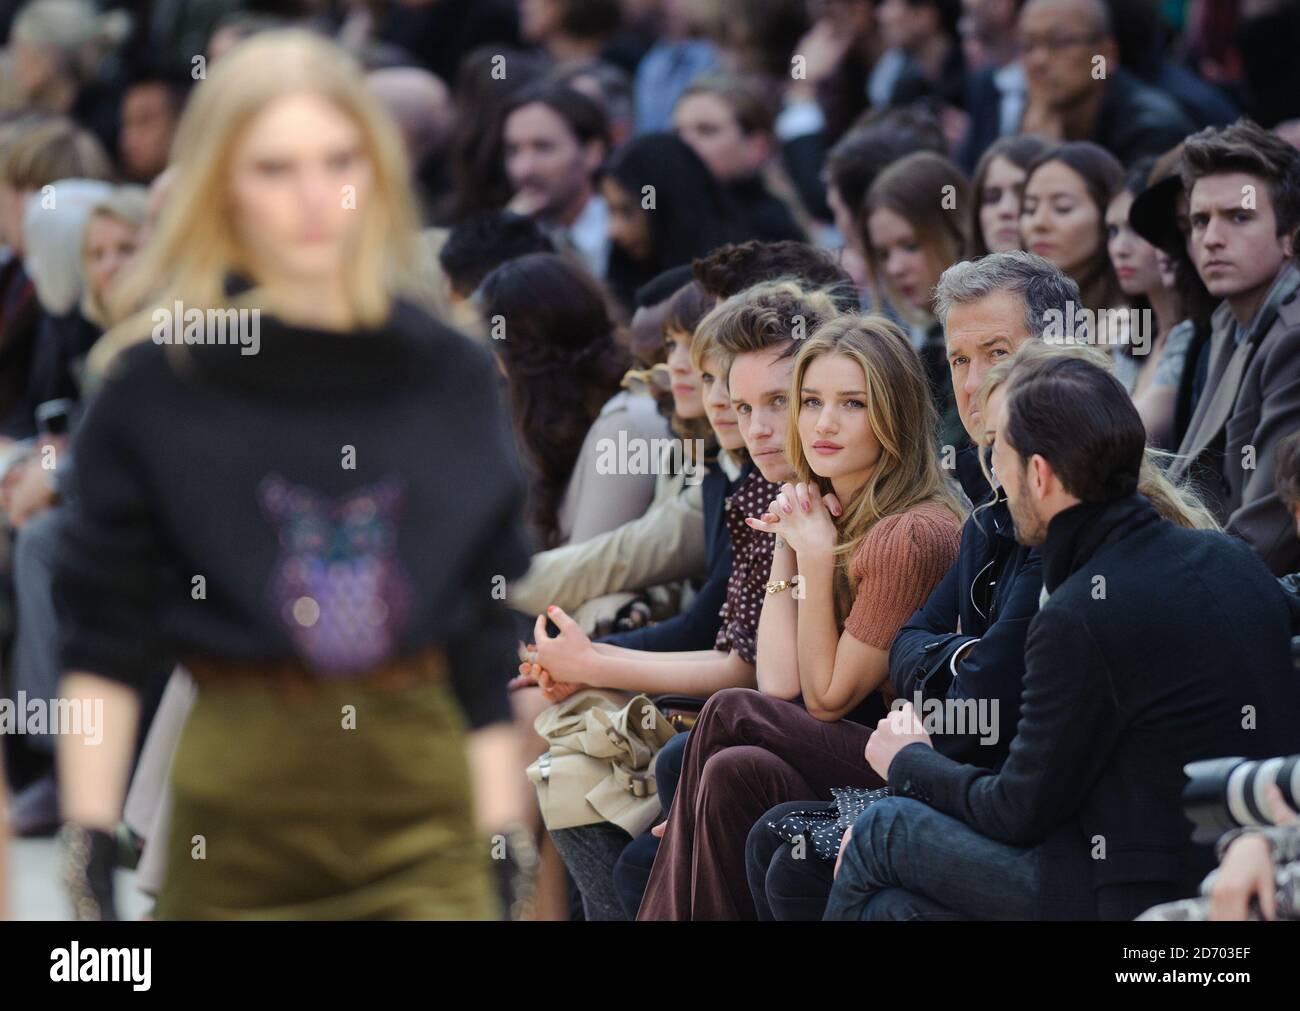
<point>1155,646</point>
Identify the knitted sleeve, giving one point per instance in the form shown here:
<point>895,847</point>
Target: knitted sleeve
<point>897,565</point>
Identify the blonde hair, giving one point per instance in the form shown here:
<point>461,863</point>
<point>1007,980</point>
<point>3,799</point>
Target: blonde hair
<point>78,34</point>
<point>1175,501</point>
<point>127,204</point>
<point>902,417</point>
<point>194,244</point>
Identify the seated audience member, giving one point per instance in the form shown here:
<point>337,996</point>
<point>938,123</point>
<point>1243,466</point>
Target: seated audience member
<point>555,139</point>
<point>758,319</point>
<point>923,58</point>
<point>34,154</point>
<point>728,121</point>
<point>678,56</point>
<point>1078,91</point>
<point>1063,219</point>
<point>570,30</point>
<point>997,188</point>
<point>1159,215</point>
<point>912,238</point>
<point>966,643</point>
<point>652,659</point>
<point>476,164</point>
<point>1147,280</point>
<point>665,209</point>
<point>729,270</point>
<point>611,86</point>
<point>151,110</point>
<point>1244,255</point>
<point>658,548</point>
<point>63,57</point>
<point>1139,29</point>
<point>995,82</point>
<point>562,371</point>
<point>569,576</point>
<point>479,244</point>
<point>863,444</point>
<point>880,139</point>
<point>1116,699</point>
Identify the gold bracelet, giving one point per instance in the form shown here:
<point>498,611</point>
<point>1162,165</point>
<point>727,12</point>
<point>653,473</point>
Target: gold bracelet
<point>779,585</point>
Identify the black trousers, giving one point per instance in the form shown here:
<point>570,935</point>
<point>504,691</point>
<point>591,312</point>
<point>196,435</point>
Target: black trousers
<point>787,884</point>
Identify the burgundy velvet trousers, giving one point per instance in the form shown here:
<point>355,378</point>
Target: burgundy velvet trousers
<point>747,753</point>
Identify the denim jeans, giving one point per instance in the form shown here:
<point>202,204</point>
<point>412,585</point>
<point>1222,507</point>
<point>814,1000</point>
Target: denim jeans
<point>907,861</point>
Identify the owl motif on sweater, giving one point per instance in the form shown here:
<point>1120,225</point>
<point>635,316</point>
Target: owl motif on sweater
<point>337,584</point>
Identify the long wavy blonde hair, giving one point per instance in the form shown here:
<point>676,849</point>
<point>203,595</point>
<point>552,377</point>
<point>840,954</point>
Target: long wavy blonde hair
<point>902,417</point>
<point>1176,502</point>
<point>195,245</point>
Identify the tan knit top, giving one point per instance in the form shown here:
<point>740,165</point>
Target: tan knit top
<point>895,568</point>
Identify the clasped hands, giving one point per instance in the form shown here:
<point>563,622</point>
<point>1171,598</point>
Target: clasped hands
<point>556,664</point>
<point>803,517</point>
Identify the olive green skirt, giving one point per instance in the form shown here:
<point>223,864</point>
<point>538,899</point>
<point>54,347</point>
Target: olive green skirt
<point>350,802</point>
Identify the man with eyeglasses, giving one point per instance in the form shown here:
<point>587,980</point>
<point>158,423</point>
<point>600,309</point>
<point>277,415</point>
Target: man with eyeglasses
<point>1078,91</point>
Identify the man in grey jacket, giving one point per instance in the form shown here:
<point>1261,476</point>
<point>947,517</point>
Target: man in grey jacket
<point>1244,208</point>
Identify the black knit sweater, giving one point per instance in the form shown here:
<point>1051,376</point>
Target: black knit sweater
<point>346,499</point>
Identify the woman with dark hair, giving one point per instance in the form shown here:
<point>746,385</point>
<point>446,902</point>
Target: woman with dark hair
<point>563,369</point>
<point>999,186</point>
<point>1063,216</point>
<point>665,209</point>
<point>913,236</point>
<point>1152,367</point>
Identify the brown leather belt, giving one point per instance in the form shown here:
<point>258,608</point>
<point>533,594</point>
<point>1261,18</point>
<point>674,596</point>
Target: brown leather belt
<point>427,665</point>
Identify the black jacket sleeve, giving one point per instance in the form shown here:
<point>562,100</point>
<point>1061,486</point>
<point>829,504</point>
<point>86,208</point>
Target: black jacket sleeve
<point>918,659</point>
<point>1068,727</point>
<point>108,565</point>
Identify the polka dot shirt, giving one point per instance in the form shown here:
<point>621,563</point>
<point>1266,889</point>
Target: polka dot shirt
<point>751,566</point>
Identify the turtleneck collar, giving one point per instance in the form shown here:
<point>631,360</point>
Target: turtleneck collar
<point>293,360</point>
<point>1076,534</point>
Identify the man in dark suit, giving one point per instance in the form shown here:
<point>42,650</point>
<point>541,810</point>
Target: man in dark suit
<point>1077,90</point>
<point>1124,684</point>
<point>1243,187</point>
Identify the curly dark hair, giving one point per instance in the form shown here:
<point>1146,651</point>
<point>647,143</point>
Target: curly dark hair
<point>731,269</point>
<point>562,364</point>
